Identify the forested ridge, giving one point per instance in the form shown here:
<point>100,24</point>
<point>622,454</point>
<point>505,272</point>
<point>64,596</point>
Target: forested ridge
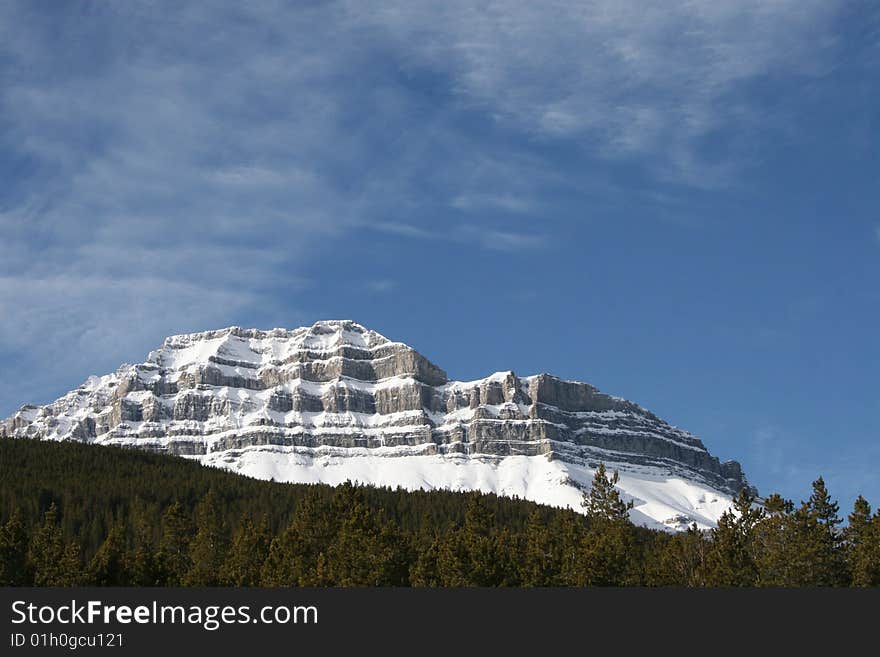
<point>76,514</point>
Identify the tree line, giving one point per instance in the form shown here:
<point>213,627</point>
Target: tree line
<point>74,514</point>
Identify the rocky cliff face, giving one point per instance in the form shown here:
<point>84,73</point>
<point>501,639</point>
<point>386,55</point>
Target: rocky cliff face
<point>339,388</point>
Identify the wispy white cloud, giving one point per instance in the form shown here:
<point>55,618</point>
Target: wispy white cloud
<point>170,161</point>
<point>500,240</point>
<point>62,328</point>
<point>406,230</point>
<point>480,235</point>
<point>623,78</point>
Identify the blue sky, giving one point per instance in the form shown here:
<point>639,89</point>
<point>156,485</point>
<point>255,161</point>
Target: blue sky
<point>678,202</point>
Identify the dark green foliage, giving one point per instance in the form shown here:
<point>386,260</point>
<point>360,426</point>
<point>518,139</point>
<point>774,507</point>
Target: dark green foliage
<point>208,548</point>
<point>605,553</point>
<point>775,545</point>
<point>14,552</point>
<point>818,559</point>
<point>681,561</point>
<point>862,544</point>
<point>803,546</point>
<point>294,554</point>
<point>603,502</point>
<point>731,560</point>
<point>73,514</point>
<point>51,561</point>
<point>173,554</point>
<point>247,553</point>
<point>824,508</point>
<point>144,567</point>
<point>475,554</point>
<point>605,557</point>
<point>543,562</point>
<point>368,550</point>
<point>109,565</point>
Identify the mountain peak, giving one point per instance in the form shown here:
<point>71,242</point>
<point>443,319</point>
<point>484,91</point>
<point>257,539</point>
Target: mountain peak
<point>336,401</point>
<point>253,348</point>
<point>323,332</point>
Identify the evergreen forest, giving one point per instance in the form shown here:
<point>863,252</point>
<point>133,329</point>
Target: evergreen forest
<point>73,514</point>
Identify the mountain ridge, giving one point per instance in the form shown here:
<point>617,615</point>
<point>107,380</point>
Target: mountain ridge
<point>334,399</point>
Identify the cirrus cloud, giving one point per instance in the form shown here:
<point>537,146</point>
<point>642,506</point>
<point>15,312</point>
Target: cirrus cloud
<point>167,164</point>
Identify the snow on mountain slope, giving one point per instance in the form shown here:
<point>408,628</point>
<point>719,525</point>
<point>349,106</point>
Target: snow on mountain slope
<point>336,401</point>
<point>660,501</point>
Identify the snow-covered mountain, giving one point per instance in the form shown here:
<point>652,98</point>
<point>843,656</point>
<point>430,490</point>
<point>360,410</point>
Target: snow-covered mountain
<point>336,401</point>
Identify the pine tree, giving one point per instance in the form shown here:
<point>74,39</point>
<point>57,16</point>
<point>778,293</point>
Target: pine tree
<point>207,550</point>
<point>174,560</point>
<point>823,507</point>
<point>819,537</point>
<point>859,521</point>
<point>603,551</point>
<point>603,502</point>
<point>606,555</point>
<point>731,560</point>
<point>13,552</point>
<point>424,572</point>
<point>294,553</point>
<point>70,568</point>
<point>774,542</point>
<point>862,545</point>
<point>46,550</point>
<point>508,547</point>
<point>482,565</point>
<point>108,565</point>
<point>52,561</point>
<point>453,560</point>
<point>246,555</point>
<point>367,551</point>
<point>540,564</point>
<point>776,505</point>
<point>423,567</point>
<point>279,568</point>
<point>143,565</point>
<point>568,534</point>
<point>681,561</point>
